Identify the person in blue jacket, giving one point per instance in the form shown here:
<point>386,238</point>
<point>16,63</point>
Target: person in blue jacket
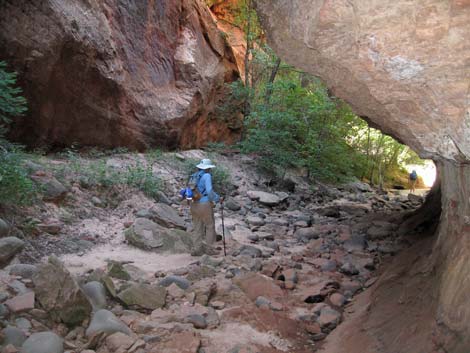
<point>202,211</point>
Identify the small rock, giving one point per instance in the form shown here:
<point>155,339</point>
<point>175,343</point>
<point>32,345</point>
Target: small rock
<point>217,305</point>
<point>51,227</point>
<point>22,270</point>
<point>14,336</point>
<point>198,321</point>
<point>4,228</point>
<point>248,250</point>
<point>43,342</point>
<point>255,221</point>
<point>349,269</point>
<point>337,299</point>
<point>144,296</point>
<point>261,302</point>
<point>96,294</point>
<point>21,302</point>
<point>96,201</point>
<point>105,321</point>
<point>328,319</point>
<point>181,282</point>
<point>9,247</point>
<point>232,205</point>
<point>119,342</point>
<point>116,270</point>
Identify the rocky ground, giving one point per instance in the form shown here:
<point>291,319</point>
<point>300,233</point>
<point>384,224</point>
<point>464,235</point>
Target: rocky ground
<point>120,278</point>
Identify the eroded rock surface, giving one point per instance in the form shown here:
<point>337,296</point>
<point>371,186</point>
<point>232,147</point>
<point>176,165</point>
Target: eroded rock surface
<point>405,67</point>
<point>118,73</point>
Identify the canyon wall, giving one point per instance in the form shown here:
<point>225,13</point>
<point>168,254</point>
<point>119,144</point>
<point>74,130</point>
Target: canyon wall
<point>405,67</point>
<point>118,73</point>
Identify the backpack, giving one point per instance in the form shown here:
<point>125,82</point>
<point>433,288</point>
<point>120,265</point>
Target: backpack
<point>413,175</point>
<point>192,185</point>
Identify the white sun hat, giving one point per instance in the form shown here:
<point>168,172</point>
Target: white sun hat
<point>205,164</point>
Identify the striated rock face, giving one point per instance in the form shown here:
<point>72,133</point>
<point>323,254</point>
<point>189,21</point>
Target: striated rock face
<point>118,73</point>
<point>405,66</point>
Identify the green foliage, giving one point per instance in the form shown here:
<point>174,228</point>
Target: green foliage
<point>97,172</point>
<point>12,103</point>
<point>15,185</point>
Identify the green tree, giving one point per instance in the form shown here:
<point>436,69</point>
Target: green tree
<point>12,103</point>
<point>15,185</point>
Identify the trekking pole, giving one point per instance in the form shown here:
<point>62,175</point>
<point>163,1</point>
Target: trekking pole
<point>223,226</point>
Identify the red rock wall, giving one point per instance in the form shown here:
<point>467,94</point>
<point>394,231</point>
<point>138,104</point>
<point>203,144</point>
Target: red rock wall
<point>118,73</point>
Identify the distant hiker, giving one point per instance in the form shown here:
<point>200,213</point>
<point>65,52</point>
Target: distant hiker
<point>412,180</point>
<point>202,209</point>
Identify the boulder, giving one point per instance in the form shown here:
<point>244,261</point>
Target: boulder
<point>51,188</point>
<point>43,342</point>
<point>116,270</point>
<point>105,321</point>
<point>96,294</point>
<point>167,216</point>
<point>9,247</point>
<point>264,198</point>
<point>62,297</point>
<point>143,296</point>
<point>148,235</point>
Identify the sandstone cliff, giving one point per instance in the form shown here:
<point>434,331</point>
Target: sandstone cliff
<point>405,66</point>
<point>118,73</point>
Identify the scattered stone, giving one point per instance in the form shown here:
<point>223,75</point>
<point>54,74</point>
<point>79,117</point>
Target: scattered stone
<point>248,250</point>
<point>337,299</point>
<point>255,221</point>
<point>96,201</point>
<point>211,261</point>
<point>355,243</point>
<point>264,198</point>
<point>52,189</point>
<point>9,247</point>
<point>255,285</point>
<point>232,205</point>
<point>119,342</point>
<point>167,216</point>
<point>22,270</point>
<point>105,321</point>
<point>10,349</point>
<point>4,228</point>
<point>328,319</point>
<point>43,342</point>
<point>147,235</point>
<point>96,294</point>
<point>377,233</point>
<point>198,321</point>
<point>181,282</point>
<point>62,297</point>
<point>290,278</point>
<point>217,305</point>
<point>23,302</point>
<point>116,270</point>
<point>14,336</point>
<point>261,302</point>
<point>23,324</point>
<point>4,312</point>
<point>349,269</point>
<point>143,296</point>
<point>307,233</point>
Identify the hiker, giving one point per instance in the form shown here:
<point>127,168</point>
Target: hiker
<point>412,180</point>
<point>202,211</point>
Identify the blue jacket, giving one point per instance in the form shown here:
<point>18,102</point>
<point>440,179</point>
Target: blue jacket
<point>205,188</point>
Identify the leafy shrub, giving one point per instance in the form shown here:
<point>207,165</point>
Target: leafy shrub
<point>15,185</point>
